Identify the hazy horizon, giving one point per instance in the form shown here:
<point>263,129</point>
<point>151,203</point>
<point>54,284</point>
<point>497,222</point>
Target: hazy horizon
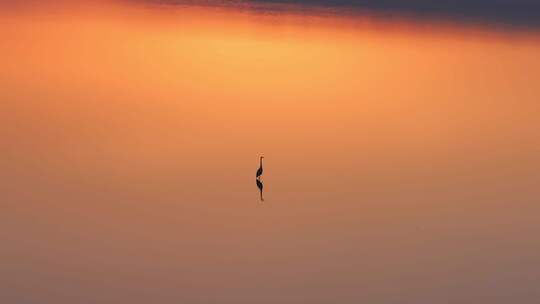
<point>507,13</point>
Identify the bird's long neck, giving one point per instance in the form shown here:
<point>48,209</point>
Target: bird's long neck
<point>261,161</point>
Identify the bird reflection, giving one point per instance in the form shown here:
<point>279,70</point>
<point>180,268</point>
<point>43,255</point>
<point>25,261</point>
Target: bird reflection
<point>260,186</point>
<point>258,177</point>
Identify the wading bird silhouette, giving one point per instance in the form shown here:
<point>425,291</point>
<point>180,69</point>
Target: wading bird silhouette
<point>260,170</point>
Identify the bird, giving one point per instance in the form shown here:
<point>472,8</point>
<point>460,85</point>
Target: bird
<point>260,170</point>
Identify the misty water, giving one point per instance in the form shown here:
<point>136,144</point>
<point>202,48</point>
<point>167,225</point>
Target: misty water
<point>401,156</point>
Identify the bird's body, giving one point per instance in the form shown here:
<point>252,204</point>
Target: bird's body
<point>260,186</point>
<point>260,170</point>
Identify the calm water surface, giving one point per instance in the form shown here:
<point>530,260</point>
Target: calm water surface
<point>402,157</point>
